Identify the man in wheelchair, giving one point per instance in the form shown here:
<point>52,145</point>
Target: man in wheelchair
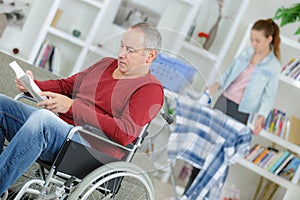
<point>117,95</point>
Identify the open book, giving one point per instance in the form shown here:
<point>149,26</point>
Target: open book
<point>27,82</point>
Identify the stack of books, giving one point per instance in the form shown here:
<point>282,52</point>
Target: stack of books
<point>276,123</point>
<point>292,69</point>
<point>279,124</point>
<point>48,57</point>
<point>282,163</point>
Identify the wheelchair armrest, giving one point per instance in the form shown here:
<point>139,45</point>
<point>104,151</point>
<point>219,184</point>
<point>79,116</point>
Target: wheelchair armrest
<point>97,133</point>
<point>169,119</point>
<point>23,95</point>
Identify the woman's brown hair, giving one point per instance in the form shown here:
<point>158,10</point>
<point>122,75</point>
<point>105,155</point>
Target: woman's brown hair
<point>270,28</point>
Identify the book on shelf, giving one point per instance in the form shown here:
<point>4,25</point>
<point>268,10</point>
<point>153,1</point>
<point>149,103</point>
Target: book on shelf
<point>48,57</point>
<point>294,132</point>
<point>292,66</point>
<point>279,161</point>
<point>56,17</point>
<point>289,171</point>
<point>274,160</point>
<point>254,152</point>
<point>276,123</point>
<point>27,82</point>
<point>251,150</point>
<point>287,65</point>
<point>261,156</point>
<point>284,163</point>
<point>296,177</point>
<point>295,73</point>
<point>40,54</point>
<point>55,61</point>
<point>273,119</point>
<point>268,158</point>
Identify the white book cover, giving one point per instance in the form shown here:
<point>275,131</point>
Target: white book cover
<point>56,61</point>
<point>27,82</point>
<point>296,176</point>
<point>38,59</point>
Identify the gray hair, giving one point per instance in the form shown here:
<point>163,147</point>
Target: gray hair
<point>153,38</point>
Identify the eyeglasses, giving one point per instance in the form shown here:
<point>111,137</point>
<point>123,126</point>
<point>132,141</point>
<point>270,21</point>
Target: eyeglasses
<point>130,50</point>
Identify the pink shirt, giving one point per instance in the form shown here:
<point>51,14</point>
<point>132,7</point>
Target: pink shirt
<point>236,90</point>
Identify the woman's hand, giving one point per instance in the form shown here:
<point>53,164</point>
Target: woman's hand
<point>19,85</point>
<point>258,125</point>
<point>213,88</point>
<point>56,103</point>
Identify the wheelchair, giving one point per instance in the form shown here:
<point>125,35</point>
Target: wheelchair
<point>81,172</point>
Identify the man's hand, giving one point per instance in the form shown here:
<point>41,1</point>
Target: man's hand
<point>258,125</point>
<point>19,85</point>
<point>57,103</point>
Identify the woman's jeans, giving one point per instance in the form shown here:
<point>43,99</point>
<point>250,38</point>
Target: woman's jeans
<point>32,133</point>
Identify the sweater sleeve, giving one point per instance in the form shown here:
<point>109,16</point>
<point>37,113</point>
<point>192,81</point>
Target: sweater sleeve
<point>140,110</point>
<point>61,86</point>
<point>64,86</point>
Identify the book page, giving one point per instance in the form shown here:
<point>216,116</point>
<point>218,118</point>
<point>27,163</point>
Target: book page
<point>27,82</point>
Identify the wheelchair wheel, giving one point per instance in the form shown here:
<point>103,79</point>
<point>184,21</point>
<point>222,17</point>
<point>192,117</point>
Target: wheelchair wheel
<point>31,173</point>
<point>118,180</point>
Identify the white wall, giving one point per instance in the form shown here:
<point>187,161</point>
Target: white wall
<point>258,9</point>
<point>23,39</point>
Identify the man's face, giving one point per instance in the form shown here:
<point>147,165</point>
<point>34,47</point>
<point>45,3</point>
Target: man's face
<point>132,53</point>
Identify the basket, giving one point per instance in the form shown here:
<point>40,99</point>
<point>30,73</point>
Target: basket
<point>173,73</point>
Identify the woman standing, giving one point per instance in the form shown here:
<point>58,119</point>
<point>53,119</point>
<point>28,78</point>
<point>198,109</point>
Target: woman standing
<point>250,84</point>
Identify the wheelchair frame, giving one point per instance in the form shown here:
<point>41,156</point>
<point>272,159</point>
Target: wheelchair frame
<point>71,187</point>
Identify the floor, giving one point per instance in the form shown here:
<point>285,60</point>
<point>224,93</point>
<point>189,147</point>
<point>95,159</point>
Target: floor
<point>163,191</point>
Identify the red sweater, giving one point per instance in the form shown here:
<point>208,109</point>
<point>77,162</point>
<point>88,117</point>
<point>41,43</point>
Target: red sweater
<point>119,107</point>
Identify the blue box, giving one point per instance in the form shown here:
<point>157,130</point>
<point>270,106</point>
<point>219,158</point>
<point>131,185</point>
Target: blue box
<point>173,73</point>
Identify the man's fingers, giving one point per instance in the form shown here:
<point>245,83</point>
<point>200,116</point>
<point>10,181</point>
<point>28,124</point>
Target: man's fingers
<point>30,74</point>
<point>48,94</point>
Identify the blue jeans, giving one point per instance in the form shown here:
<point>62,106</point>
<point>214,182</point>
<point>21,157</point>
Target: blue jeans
<point>32,133</point>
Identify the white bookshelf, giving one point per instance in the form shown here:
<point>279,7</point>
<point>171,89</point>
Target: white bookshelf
<point>287,87</point>
<point>74,49</point>
<point>66,36</point>
<point>280,141</point>
<point>262,172</point>
<point>290,81</point>
<point>203,14</point>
